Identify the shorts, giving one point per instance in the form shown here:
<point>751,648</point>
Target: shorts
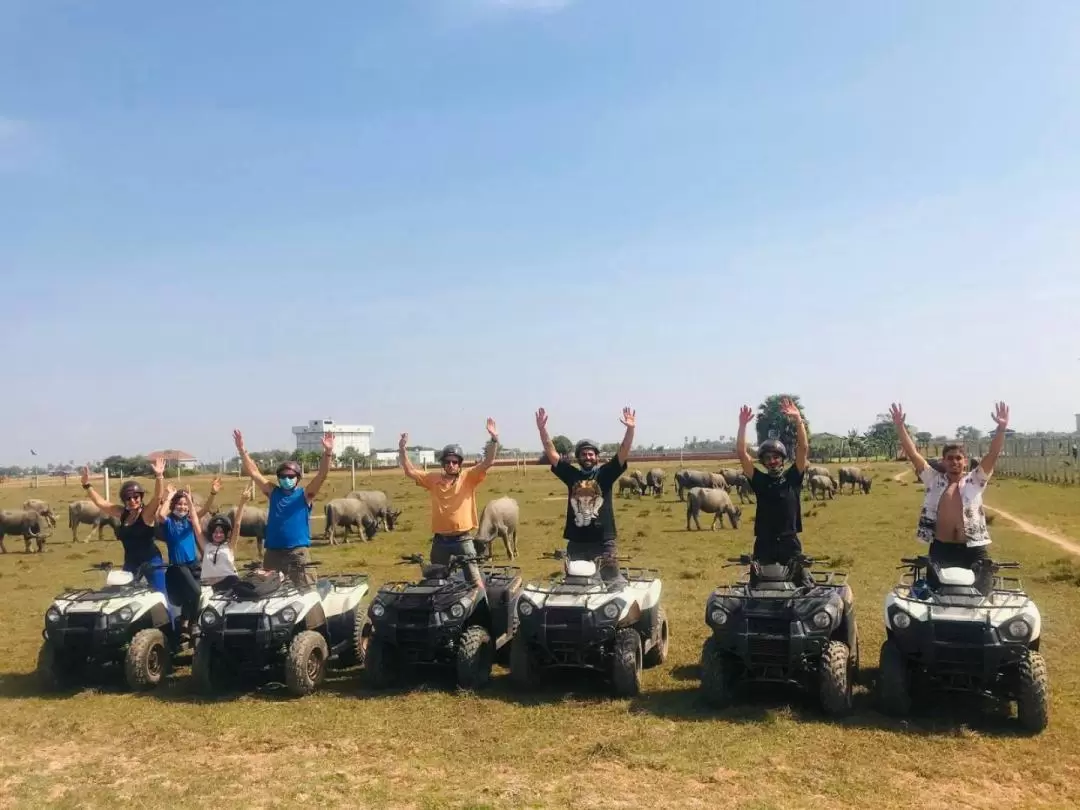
<point>289,561</point>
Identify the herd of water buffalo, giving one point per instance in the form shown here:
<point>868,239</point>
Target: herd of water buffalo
<point>366,511</point>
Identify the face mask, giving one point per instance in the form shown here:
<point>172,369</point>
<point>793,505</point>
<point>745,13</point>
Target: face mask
<point>179,516</point>
<point>287,483</point>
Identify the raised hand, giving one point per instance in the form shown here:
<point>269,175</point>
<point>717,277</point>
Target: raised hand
<point>789,409</point>
<point>492,430</point>
<point>403,442</point>
<point>541,419</point>
<point>629,417</point>
<point>1000,415</point>
<point>896,411</point>
<point>328,442</point>
<point>746,416</point>
<point>159,466</point>
<point>84,478</point>
<point>215,486</point>
<point>238,437</point>
<point>170,490</point>
<point>247,494</point>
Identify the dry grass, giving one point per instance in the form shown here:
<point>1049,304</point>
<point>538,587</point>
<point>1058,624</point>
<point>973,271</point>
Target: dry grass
<point>570,745</point>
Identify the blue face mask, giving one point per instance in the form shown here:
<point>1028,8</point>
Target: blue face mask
<point>287,483</point>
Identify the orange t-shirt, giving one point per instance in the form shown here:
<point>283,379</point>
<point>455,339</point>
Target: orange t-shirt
<point>453,500</point>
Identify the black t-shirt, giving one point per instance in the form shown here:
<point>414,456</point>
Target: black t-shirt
<point>779,509</point>
<point>590,514</point>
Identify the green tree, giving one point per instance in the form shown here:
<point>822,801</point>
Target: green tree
<point>351,454</point>
<point>922,438</point>
<point>882,437</point>
<point>563,445</point>
<point>771,423</point>
<point>968,433</point>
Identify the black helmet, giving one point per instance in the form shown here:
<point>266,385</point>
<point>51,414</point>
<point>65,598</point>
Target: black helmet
<point>130,488</point>
<point>451,450</point>
<point>219,520</point>
<point>771,446</point>
<point>586,444</point>
<point>291,467</point>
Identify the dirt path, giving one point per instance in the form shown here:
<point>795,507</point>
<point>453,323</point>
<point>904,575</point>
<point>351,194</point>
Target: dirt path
<point>1067,543</point>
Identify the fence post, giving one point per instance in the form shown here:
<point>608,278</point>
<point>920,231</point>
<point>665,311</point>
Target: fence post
<point>106,483</point>
<point>353,473</point>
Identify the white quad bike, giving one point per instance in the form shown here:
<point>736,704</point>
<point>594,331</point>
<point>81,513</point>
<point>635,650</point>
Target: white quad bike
<point>125,622</point>
<point>952,637</point>
<point>265,623</point>
<point>578,620</point>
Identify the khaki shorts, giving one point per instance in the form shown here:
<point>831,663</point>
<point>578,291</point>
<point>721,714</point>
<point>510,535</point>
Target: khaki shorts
<point>286,561</point>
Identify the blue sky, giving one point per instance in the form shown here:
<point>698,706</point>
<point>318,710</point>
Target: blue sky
<point>419,213</point>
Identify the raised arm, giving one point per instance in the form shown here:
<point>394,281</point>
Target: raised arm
<point>110,509</point>
<point>312,489</point>
<point>746,416</point>
<point>250,468</point>
<point>910,450</point>
<point>491,449</point>
<point>407,466</point>
<point>550,452</point>
<point>245,498</point>
<point>629,419</point>
<point>151,508</point>
<point>208,507</point>
<point>997,444</point>
<point>196,527</point>
<point>802,442</point>
<point>163,509</point>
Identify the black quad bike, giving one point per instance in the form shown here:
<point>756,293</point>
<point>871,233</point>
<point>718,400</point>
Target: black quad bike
<point>444,620</point>
<point>775,627</point>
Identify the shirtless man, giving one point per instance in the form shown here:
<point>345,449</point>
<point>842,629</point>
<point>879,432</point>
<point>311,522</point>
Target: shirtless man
<point>952,520</point>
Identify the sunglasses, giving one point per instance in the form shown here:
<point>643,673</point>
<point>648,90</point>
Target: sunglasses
<point>134,497</point>
<point>290,476</point>
<point>447,462</point>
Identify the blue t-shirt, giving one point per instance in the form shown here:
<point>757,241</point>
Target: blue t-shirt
<point>287,519</point>
<point>179,537</point>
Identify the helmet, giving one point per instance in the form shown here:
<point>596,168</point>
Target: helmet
<point>451,450</point>
<point>586,444</point>
<point>131,488</point>
<point>287,467</point>
<point>221,521</point>
<point>771,446</point>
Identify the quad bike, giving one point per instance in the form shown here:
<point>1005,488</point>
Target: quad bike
<point>264,623</point>
<point>126,621</point>
<point>443,619</point>
<point>577,619</point>
<point>950,636</point>
<point>775,627</point>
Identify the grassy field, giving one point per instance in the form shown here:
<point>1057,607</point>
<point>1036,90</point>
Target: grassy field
<point>570,745</point>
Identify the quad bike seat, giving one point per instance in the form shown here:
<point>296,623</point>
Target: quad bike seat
<point>952,580</point>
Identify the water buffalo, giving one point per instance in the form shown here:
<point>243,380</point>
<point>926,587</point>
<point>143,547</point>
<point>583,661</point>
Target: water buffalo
<point>23,522</point>
<point>499,519</point>
<point>853,476</point>
<point>253,523</point>
<point>627,483</point>
<point>654,481</point>
<point>714,501</point>
<point>42,508</point>
<point>685,479</point>
<point>346,513</point>
<point>817,469</point>
<point>380,506</point>
<point>639,476</point>
<point>822,484</point>
<point>80,512</point>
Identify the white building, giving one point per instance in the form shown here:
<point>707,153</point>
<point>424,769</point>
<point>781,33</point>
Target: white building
<point>417,457</point>
<point>309,436</point>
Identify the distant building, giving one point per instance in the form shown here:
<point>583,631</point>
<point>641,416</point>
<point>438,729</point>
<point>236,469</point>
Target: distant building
<point>309,437</point>
<point>1078,423</point>
<point>389,458</point>
<point>185,461</point>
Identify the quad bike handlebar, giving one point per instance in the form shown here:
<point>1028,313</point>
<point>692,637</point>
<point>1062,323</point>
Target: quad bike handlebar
<point>802,559</point>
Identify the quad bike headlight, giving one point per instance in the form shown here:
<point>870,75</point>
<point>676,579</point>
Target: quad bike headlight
<point>525,607</point>
<point>718,616</point>
<point>287,615</point>
<point>52,615</point>
<point>821,620</point>
<point>457,610</point>
<point>378,610</point>
<point>901,621</point>
<point>208,618</point>
<point>124,614</point>
<point>1017,630</point>
<point>611,610</point>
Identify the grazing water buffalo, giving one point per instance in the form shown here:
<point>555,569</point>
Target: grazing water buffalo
<point>80,512</point>
<point>639,476</point>
<point>685,479</point>
<point>823,484</point>
<point>817,469</point>
<point>380,505</point>
<point>854,476</point>
<point>253,523</point>
<point>25,523</point>
<point>627,483</point>
<point>346,513</point>
<point>714,501</point>
<point>42,508</point>
<point>654,481</point>
<point>499,519</point>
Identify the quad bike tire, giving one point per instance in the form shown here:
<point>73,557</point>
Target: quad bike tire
<point>659,652</point>
<point>1033,693</point>
<point>627,662</point>
<point>380,664</point>
<point>524,673</point>
<point>717,676</point>
<point>208,668</point>
<point>147,660</point>
<point>305,665</point>
<point>475,655</point>
<point>894,681</point>
<point>356,652</point>
<point>834,685</point>
<point>54,673</point>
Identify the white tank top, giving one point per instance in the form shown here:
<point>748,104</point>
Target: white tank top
<point>218,562</point>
